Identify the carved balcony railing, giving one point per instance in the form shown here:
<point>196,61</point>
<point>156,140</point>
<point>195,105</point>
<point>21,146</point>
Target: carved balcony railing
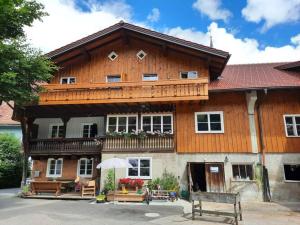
<point>65,146</point>
<point>123,92</point>
<point>135,144</point>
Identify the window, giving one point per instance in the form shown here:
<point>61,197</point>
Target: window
<point>242,172</point>
<point>112,56</point>
<point>141,54</point>
<point>292,172</point>
<point>56,131</point>
<point>85,167</point>
<point>141,168</point>
<point>189,75</point>
<point>150,77</point>
<point>209,122</point>
<point>54,167</point>
<point>292,125</point>
<point>157,123</point>
<point>113,78</point>
<point>122,123</point>
<point>68,80</point>
<point>89,130</point>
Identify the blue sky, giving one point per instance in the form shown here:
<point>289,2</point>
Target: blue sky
<point>251,30</point>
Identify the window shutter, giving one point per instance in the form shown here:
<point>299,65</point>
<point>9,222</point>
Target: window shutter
<point>94,130</point>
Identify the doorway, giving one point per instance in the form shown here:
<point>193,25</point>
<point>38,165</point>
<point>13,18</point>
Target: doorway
<point>206,177</point>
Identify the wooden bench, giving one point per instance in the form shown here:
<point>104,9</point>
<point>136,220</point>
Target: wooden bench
<point>46,187</point>
<point>228,198</point>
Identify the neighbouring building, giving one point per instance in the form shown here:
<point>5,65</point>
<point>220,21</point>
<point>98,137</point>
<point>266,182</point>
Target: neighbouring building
<point>164,103</point>
<point>7,125</point>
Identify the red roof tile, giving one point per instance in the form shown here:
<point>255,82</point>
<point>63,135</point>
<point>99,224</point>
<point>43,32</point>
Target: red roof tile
<point>6,114</point>
<point>255,76</point>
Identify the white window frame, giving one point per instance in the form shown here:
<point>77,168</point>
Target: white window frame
<point>51,127</point>
<point>161,115</point>
<point>294,125</point>
<point>78,168</point>
<point>243,164</point>
<point>113,75</point>
<point>145,74</point>
<point>192,71</point>
<point>117,123</point>
<point>68,80</point>
<point>112,53</point>
<point>139,159</point>
<point>208,121</point>
<point>82,126</point>
<point>48,168</point>
<point>139,52</point>
<point>285,180</point>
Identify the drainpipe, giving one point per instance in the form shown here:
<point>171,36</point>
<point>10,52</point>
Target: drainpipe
<point>251,98</point>
<point>264,171</point>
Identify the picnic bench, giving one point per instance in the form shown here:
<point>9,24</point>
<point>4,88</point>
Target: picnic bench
<point>228,198</point>
<point>46,187</point>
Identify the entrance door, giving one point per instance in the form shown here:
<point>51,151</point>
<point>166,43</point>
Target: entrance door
<point>214,173</point>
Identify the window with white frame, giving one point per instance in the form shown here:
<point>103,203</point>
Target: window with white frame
<point>150,77</point>
<point>242,171</point>
<point>85,167</point>
<point>113,78</point>
<point>112,56</point>
<point>141,54</point>
<point>209,122</point>
<point>68,80</point>
<point>189,75</point>
<point>292,125</point>
<point>56,130</point>
<point>157,123</point>
<point>141,167</point>
<point>54,167</point>
<point>89,130</point>
<point>122,123</point>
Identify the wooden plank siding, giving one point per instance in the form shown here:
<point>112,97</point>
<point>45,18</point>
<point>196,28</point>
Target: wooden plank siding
<point>236,136</point>
<point>274,105</point>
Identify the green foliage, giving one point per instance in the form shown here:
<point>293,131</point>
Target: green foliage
<point>109,184</point>
<point>10,161</point>
<point>25,189</point>
<point>168,181</point>
<point>15,14</point>
<point>152,184</point>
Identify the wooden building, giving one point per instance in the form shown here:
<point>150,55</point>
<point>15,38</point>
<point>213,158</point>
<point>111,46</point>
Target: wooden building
<point>164,103</point>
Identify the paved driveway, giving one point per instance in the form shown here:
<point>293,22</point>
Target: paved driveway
<point>14,210</point>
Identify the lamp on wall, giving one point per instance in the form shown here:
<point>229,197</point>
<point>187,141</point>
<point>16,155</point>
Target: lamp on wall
<point>226,160</point>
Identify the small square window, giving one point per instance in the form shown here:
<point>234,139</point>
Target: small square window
<point>141,54</point>
<point>112,56</point>
<point>292,125</point>
<point>150,77</point>
<point>113,78</point>
<point>242,172</point>
<point>189,75</point>
<point>209,122</point>
<point>68,80</point>
<point>292,172</point>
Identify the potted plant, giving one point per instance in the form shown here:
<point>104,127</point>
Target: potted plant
<point>136,183</point>
<point>124,182</point>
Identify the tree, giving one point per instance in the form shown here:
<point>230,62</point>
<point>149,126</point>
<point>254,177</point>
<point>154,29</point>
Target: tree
<point>22,68</point>
<point>10,161</point>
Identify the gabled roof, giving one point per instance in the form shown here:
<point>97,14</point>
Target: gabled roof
<point>215,58</point>
<point>6,114</point>
<point>256,76</point>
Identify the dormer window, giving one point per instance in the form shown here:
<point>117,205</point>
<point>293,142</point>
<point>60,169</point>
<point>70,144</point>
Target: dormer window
<point>113,78</point>
<point>189,75</point>
<point>112,56</point>
<point>141,54</point>
<point>150,77</point>
<point>68,80</point>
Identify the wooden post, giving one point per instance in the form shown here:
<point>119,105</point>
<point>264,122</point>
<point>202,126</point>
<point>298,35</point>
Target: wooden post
<point>235,215</point>
<point>193,210</point>
<point>200,206</point>
<point>240,211</point>
<point>65,121</point>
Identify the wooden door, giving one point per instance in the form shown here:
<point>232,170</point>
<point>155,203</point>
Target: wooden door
<point>214,173</point>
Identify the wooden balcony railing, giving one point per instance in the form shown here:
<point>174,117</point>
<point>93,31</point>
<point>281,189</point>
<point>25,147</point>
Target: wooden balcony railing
<point>64,146</point>
<point>149,143</point>
<point>150,91</point>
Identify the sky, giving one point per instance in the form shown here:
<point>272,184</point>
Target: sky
<point>252,31</point>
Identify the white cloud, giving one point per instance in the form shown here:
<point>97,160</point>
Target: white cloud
<point>66,23</point>
<point>244,50</point>
<point>154,15</point>
<point>272,12</point>
<point>212,9</point>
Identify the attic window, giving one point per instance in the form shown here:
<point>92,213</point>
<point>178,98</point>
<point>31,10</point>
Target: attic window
<point>68,80</point>
<point>189,75</point>
<point>112,56</point>
<point>141,54</point>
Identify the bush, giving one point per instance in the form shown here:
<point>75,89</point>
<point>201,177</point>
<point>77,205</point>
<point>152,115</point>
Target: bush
<point>109,183</point>
<point>168,181</point>
<point>10,161</point>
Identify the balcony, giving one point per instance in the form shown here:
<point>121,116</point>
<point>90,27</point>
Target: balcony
<point>64,146</point>
<point>88,146</point>
<point>125,92</point>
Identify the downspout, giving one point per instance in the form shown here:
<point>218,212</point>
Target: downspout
<point>264,171</point>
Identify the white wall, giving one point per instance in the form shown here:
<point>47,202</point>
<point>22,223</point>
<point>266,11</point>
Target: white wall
<point>74,126</point>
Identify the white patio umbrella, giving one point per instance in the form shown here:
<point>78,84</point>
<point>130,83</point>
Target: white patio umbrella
<point>114,163</point>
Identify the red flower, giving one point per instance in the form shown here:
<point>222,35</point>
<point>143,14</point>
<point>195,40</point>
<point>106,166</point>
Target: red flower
<point>124,181</point>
